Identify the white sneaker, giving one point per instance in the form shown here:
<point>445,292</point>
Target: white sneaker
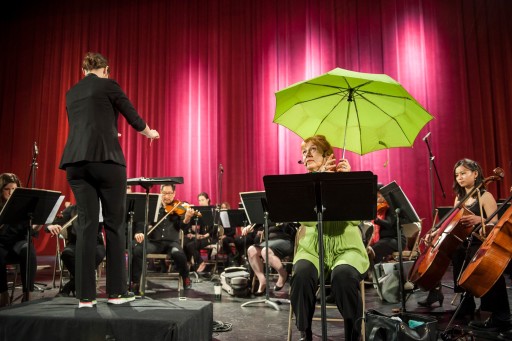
<point>87,303</point>
<point>120,299</point>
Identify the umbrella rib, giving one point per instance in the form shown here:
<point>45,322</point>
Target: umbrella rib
<point>385,113</point>
<point>332,109</point>
<point>319,97</point>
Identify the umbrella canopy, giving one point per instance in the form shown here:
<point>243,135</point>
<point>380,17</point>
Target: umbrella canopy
<point>360,112</point>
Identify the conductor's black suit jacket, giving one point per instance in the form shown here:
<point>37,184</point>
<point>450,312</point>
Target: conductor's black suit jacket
<point>93,106</point>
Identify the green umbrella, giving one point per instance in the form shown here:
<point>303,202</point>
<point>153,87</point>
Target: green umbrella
<point>360,112</point>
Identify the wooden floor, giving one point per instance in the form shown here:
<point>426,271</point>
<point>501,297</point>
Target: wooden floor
<point>261,321</point>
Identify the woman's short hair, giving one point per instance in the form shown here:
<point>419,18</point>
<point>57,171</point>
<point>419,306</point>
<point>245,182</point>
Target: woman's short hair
<point>321,142</point>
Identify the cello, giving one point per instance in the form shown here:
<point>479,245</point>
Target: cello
<point>431,265</point>
<point>491,259</point>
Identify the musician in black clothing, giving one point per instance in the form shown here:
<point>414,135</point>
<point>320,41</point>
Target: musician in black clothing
<point>13,244</point>
<point>68,254</point>
<point>165,238</point>
<point>250,234</point>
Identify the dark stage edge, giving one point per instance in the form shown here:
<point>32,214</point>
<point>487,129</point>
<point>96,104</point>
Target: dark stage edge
<point>143,319</point>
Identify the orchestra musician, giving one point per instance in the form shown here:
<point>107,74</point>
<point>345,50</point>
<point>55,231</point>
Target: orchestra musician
<point>466,175</point>
<point>96,171</point>
<point>384,239</point>
<point>228,237</point>
<point>13,245</point>
<point>198,237</point>
<point>165,238</point>
<point>280,245</point>
<point>68,254</point>
<point>345,255</point>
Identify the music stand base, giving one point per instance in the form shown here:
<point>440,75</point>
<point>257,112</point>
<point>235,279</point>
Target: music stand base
<point>265,301</point>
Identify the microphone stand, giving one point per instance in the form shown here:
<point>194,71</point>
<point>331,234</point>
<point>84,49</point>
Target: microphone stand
<point>32,174</point>
<point>432,168</point>
<point>400,261</point>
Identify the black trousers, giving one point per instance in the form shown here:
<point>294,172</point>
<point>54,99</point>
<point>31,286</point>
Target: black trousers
<point>345,280</point>
<point>193,249</point>
<point>172,249</point>
<point>17,253</point>
<point>90,183</point>
<point>384,248</point>
<point>496,299</point>
<point>68,257</point>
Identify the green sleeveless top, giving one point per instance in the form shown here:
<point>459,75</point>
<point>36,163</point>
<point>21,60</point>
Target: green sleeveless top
<point>343,244</point>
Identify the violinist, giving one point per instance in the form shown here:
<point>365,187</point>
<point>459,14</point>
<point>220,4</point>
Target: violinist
<point>384,239</point>
<point>164,238</point>
<point>466,175</point>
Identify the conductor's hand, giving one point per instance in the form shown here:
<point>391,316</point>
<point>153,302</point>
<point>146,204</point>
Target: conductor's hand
<point>153,134</point>
<point>139,237</point>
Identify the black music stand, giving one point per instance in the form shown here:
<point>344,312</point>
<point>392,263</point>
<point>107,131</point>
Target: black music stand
<point>321,197</point>
<point>147,184</point>
<point>206,218</point>
<point>233,218</point>
<point>136,208</point>
<point>256,204</point>
<point>29,205</point>
<point>405,214</point>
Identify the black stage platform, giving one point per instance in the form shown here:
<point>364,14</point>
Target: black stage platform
<point>143,319</point>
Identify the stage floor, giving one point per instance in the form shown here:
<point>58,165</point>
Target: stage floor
<point>258,322</point>
<point>144,319</point>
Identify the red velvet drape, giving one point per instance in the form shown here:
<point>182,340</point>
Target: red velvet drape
<point>204,73</point>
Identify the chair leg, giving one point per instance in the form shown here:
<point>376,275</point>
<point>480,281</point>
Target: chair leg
<point>363,322</point>
<point>290,319</point>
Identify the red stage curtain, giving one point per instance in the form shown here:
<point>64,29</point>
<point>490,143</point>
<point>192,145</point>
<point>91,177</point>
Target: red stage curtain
<point>204,73</point>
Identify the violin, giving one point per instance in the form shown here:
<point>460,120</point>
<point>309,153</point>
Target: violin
<point>176,207</point>
<point>179,208</point>
<point>382,207</point>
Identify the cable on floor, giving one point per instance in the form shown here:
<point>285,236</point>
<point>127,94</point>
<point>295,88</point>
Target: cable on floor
<point>219,326</point>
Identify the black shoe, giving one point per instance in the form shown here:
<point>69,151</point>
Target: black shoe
<point>68,289</point>
<point>187,283</point>
<point>277,288</point>
<point>506,335</point>
<point>306,336</point>
<point>490,325</point>
<point>136,289</point>
<point>434,295</point>
<point>467,309</point>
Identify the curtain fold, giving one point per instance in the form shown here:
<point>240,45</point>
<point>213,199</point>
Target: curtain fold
<point>204,73</point>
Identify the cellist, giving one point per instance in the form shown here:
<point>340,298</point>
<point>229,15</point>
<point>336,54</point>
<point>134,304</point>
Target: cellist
<point>466,175</point>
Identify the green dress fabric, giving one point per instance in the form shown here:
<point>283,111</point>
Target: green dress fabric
<point>343,244</point>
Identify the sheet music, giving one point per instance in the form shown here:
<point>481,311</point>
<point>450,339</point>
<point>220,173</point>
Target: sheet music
<point>54,211</point>
<point>224,218</point>
<point>158,205</point>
